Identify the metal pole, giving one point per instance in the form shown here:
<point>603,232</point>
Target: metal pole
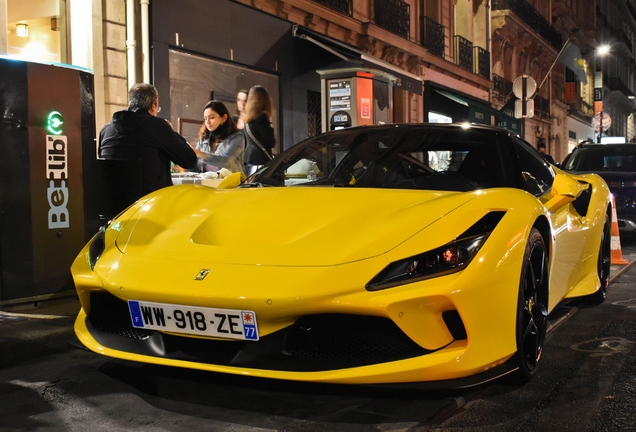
<point>145,40</point>
<point>553,63</point>
<point>131,44</point>
<point>600,127</point>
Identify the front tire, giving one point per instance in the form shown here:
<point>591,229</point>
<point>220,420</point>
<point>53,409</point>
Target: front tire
<point>532,314</point>
<point>604,263</point>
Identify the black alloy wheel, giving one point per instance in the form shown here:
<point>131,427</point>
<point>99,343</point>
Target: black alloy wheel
<point>604,263</point>
<point>532,314</point>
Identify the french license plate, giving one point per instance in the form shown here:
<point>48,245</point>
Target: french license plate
<point>223,323</point>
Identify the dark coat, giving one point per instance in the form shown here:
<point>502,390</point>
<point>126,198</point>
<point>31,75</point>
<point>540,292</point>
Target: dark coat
<point>263,131</point>
<point>548,158</point>
<point>140,135</point>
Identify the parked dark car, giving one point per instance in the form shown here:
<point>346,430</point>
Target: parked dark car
<point>616,163</point>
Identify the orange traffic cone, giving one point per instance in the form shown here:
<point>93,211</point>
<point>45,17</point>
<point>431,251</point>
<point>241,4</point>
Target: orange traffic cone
<point>617,254</point>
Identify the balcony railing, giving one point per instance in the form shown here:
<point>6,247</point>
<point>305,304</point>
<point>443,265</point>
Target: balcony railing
<point>617,84</point>
<point>616,33</point>
<point>432,36</point>
<point>541,106</point>
<point>582,107</point>
<point>463,53</point>
<point>529,15</point>
<point>622,37</point>
<point>482,62</point>
<point>394,16</point>
<point>344,7</point>
<point>501,86</point>
<point>475,59</point>
<point>587,109</point>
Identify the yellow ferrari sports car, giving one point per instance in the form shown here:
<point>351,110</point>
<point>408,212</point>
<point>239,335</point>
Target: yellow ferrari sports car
<point>417,253</point>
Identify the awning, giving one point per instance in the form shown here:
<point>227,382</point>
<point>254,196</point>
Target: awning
<point>405,80</point>
<point>511,123</point>
<point>506,119</point>
<point>452,97</point>
<point>462,107</point>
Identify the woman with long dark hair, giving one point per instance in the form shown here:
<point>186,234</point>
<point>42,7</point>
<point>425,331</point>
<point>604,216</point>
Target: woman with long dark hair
<point>259,133</point>
<point>225,143</point>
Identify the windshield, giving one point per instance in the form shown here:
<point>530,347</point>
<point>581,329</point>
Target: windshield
<point>603,158</point>
<point>449,158</point>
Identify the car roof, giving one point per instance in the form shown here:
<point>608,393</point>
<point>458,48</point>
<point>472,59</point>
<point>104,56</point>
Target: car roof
<point>388,126</point>
<point>598,157</point>
<point>414,126</point>
<point>588,145</point>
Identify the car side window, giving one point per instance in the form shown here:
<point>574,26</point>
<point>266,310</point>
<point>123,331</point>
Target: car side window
<point>536,176</point>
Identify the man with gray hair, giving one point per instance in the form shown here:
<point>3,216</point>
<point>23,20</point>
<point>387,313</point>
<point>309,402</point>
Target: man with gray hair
<point>137,133</point>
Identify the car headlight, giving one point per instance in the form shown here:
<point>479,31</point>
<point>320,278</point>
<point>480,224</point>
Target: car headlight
<point>450,258</point>
<point>97,245</point>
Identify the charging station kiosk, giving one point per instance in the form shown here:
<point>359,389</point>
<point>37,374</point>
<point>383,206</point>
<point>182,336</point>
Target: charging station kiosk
<point>355,96</point>
<point>47,152</point>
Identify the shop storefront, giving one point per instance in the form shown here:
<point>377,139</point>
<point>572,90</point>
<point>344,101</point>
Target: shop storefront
<point>196,57</point>
<point>444,105</point>
<point>196,79</point>
<point>37,31</point>
<point>578,131</point>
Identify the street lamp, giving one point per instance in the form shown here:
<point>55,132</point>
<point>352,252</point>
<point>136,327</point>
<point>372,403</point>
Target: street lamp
<point>598,88</point>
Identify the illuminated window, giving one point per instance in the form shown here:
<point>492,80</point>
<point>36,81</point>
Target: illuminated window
<point>38,32</point>
<point>22,30</point>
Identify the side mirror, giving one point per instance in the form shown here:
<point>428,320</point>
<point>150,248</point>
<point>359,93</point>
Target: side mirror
<point>231,181</point>
<point>565,189</point>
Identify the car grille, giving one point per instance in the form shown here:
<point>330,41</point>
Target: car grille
<point>312,343</point>
<point>111,315</point>
<point>349,337</point>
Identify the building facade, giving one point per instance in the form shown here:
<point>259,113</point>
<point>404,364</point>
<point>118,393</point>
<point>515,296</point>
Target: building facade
<point>616,28</point>
<point>445,60</point>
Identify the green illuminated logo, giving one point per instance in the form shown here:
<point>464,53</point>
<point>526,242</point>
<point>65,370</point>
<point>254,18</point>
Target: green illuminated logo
<point>54,122</point>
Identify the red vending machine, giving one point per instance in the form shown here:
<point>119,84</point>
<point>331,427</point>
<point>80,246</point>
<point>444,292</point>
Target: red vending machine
<point>47,152</point>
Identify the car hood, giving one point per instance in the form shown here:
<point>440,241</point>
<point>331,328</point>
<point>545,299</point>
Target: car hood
<point>299,226</point>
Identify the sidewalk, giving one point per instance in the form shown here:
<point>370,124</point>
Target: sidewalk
<point>62,306</point>
<point>617,270</point>
<point>34,330</point>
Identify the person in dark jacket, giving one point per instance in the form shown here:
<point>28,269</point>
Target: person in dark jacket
<point>259,133</point>
<point>137,133</point>
<point>546,156</point>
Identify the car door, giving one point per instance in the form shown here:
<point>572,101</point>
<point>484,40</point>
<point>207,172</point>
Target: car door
<point>569,227</point>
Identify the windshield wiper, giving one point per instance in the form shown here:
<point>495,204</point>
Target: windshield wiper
<point>252,185</point>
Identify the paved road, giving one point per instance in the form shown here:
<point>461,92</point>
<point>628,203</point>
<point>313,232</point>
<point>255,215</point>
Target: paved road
<point>587,383</point>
